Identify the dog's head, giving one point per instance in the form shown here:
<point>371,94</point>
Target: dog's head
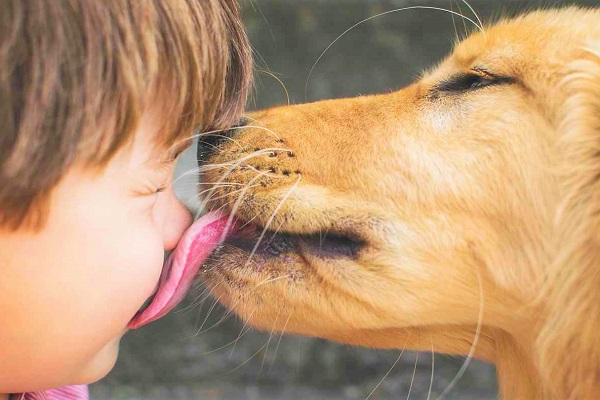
<point>465,205</point>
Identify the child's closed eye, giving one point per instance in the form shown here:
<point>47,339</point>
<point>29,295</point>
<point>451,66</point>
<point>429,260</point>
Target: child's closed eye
<point>149,189</point>
<point>161,177</point>
<point>152,178</point>
<point>161,189</point>
<point>153,183</point>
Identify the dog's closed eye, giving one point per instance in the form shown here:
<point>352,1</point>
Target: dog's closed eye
<point>465,82</point>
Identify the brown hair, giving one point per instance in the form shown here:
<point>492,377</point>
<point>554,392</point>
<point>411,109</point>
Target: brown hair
<point>77,75</point>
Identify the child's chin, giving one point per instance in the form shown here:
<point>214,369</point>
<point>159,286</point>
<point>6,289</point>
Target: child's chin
<point>100,364</point>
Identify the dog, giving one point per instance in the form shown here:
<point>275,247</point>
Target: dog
<point>459,214</point>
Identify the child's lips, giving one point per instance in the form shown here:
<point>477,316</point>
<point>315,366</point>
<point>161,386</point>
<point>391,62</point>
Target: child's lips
<point>181,267</point>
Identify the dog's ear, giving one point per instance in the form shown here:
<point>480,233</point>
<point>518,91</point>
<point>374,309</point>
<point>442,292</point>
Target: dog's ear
<point>569,341</point>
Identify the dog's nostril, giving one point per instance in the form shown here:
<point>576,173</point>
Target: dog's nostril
<point>208,143</point>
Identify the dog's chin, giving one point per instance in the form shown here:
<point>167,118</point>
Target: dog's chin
<point>263,275</point>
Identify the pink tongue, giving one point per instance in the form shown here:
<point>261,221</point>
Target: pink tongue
<point>180,269</point>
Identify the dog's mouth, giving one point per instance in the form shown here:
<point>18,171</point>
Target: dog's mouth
<point>268,243</point>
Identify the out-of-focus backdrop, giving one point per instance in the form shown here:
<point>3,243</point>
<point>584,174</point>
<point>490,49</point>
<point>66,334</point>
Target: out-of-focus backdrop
<point>194,353</point>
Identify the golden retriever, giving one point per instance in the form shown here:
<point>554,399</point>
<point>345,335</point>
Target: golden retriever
<point>460,214</point>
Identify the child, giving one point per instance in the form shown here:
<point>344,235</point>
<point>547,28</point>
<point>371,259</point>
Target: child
<point>96,99</point>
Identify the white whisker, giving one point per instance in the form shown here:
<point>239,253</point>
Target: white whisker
<point>216,133</point>
<point>192,137</point>
<point>475,14</point>
<point>255,6</point>
<point>413,376</point>
<point>389,371</point>
<point>219,322</point>
<point>199,211</point>
<point>287,94</point>
<point>262,235</point>
<point>222,184</point>
<point>432,370</point>
<point>247,320</point>
<point>248,360</point>
<point>249,221</point>
<point>234,192</point>
<point>199,313</point>
<point>194,303</point>
<point>208,315</point>
<point>262,364</point>
<point>213,133</point>
<point>454,20</point>
<point>279,342</point>
<point>261,152</point>
<point>298,354</point>
<point>376,16</point>
<point>228,344</point>
<point>235,207</point>
<point>225,137</point>
<point>270,280</point>
<point>463,368</point>
<point>229,311</point>
<point>232,165</point>
<point>276,231</point>
<point>193,171</point>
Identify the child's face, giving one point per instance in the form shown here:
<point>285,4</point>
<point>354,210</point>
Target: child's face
<point>68,291</point>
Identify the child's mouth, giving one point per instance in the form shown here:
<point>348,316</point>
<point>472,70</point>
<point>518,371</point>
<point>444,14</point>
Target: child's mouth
<point>182,265</point>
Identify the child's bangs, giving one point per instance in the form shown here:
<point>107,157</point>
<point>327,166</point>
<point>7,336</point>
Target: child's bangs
<point>188,60</point>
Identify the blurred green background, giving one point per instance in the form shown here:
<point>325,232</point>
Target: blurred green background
<point>190,354</point>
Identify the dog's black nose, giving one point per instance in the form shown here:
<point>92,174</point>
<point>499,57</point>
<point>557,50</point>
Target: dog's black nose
<point>208,143</point>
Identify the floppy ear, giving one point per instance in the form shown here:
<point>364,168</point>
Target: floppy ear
<point>569,342</point>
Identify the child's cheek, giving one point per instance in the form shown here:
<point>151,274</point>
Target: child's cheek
<point>123,258</point>
<point>139,269</point>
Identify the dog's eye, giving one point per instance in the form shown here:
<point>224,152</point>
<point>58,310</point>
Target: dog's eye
<point>469,81</point>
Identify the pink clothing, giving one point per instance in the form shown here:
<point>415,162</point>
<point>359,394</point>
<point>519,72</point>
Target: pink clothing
<point>78,392</point>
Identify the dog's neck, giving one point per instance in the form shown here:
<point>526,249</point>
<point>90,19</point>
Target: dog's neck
<point>517,376</point>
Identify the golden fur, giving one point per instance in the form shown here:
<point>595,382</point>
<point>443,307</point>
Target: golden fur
<point>477,210</point>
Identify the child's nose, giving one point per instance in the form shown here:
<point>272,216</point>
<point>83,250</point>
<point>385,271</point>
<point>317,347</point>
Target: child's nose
<point>177,221</point>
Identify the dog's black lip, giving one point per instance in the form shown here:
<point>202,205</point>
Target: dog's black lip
<point>325,245</point>
<point>272,244</point>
